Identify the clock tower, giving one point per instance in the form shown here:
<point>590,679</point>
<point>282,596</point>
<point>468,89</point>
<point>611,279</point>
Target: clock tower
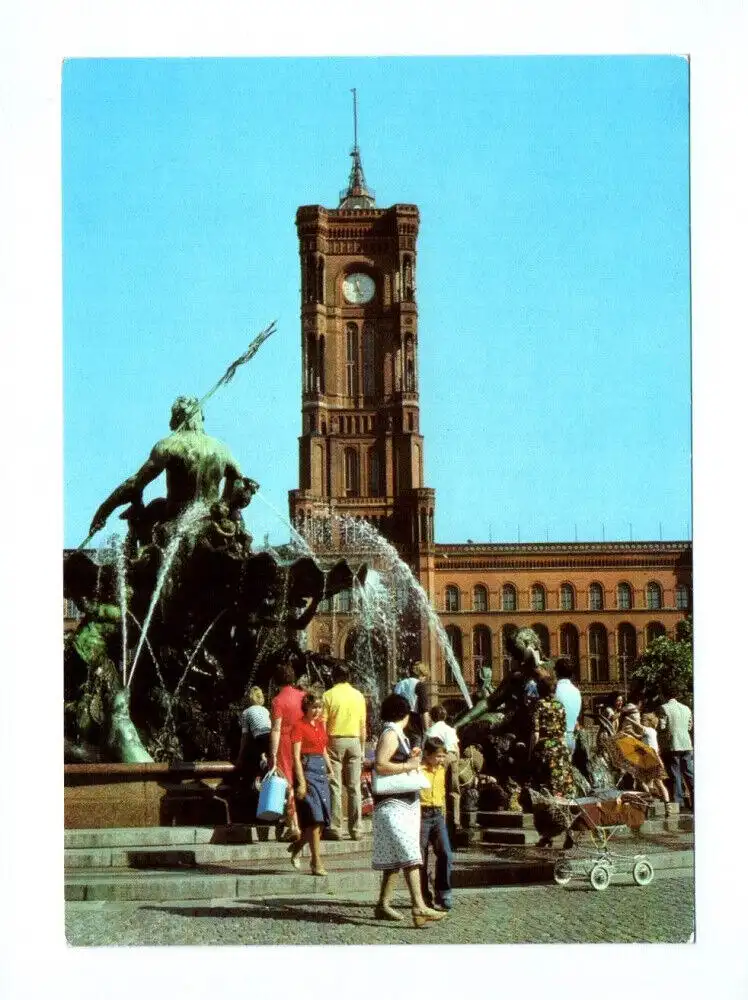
<point>361,450</point>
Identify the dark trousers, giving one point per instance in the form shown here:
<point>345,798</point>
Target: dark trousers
<point>680,765</point>
<point>434,832</point>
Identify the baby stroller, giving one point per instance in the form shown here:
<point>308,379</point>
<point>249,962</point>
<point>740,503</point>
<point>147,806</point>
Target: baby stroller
<point>603,815</point>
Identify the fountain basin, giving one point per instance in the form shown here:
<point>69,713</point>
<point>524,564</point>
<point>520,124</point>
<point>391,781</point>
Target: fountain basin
<point>105,796</point>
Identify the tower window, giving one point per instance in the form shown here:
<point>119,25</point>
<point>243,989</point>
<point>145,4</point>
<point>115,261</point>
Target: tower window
<point>351,365</point>
<point>352,487</point>
<point>375,473</point>
<point>370,368</point>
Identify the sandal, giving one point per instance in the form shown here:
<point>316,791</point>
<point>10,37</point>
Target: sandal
<point>321,872</point>
<point>295,850</point>
<point>425,916</point>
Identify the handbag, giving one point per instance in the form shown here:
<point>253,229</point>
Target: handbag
<point>399,784</point>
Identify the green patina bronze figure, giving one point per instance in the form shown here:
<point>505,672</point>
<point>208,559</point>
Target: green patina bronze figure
<point>195,465</point>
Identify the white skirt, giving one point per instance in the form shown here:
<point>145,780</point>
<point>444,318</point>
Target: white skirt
<point>397,834</point>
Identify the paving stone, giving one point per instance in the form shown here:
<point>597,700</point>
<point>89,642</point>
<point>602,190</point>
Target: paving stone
<point>661,912</point>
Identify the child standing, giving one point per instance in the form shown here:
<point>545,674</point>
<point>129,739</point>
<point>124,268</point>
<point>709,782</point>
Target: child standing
<point>434,825</point>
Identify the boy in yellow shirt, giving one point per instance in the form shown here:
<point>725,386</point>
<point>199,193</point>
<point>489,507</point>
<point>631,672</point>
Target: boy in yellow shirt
<point>434,825</point>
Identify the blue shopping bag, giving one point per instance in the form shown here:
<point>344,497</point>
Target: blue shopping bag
<point>272,800</point>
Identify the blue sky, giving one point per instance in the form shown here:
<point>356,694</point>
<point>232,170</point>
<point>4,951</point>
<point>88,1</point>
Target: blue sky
<point>553,273</point>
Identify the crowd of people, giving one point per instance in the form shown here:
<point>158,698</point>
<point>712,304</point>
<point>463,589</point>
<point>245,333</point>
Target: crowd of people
<point>316,740</point>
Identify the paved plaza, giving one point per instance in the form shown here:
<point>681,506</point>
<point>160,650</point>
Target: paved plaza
<point>661,912</point>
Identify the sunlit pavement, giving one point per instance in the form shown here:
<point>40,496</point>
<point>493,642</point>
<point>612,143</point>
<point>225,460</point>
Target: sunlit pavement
<point>663,911</point>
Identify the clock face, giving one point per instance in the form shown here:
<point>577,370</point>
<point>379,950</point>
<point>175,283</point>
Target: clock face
<point>358,288</point>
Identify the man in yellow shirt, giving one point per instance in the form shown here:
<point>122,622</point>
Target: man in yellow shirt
<point>434,825</point>
<point>344,710</point>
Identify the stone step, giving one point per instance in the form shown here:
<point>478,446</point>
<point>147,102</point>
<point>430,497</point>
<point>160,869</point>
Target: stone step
<point>165,886</point>
<point>504,819</point>
<point>473,870</point>
<point>191,855</point>
<point>175,836</point>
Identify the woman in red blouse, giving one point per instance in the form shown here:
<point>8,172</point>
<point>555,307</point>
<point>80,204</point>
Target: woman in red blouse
<point>312,769</point>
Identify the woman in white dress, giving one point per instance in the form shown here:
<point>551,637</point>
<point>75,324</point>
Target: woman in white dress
<point>397,818</point>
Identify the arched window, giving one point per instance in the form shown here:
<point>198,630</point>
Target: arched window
<point>623,597</point>
<point>598,653</point>
<point>537,597</point>
<point>410,365</point>
<point>570,643</point>
<point>351,359</point>
<point>508,597</point>
<point>626,649</point>
<point>481,648</point>
<point>375,473</point>
<point>545,639</point>
<point>370,367</point>
<point>567,597</point>
<point>455,640</point>
<point>320,279</point>
<point>654,596</point>
<point>596,597</point>
<point>480,598</point>
<point>352,488</point>
<point>451,598</point>
<point>681,597</point>
<point>507,660</point>
<point>654,631</point>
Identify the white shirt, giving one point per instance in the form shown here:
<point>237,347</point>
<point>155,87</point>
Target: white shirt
<point>446,734</point>
<point>675,724</point>
<point>570,697</point>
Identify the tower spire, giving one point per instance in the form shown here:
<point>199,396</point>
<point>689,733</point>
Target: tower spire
<point>356,195</point>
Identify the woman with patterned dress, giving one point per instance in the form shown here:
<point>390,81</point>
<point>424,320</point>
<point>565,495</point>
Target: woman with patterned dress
<point>397,818</point>
<point>551,761</point>
<point>285,712</point>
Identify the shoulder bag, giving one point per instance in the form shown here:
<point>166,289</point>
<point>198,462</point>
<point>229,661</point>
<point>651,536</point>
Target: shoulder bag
<point>399,784</point>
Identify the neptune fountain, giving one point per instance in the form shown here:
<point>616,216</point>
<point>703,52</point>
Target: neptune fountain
<point>180,618</point>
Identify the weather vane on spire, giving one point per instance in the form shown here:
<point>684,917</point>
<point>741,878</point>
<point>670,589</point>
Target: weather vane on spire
<point>356,195</point>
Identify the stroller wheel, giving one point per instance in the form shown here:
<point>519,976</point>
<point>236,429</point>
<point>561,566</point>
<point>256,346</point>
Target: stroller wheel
<point>562,873</point>
<point>643,872</point>
<point>600,877</point>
